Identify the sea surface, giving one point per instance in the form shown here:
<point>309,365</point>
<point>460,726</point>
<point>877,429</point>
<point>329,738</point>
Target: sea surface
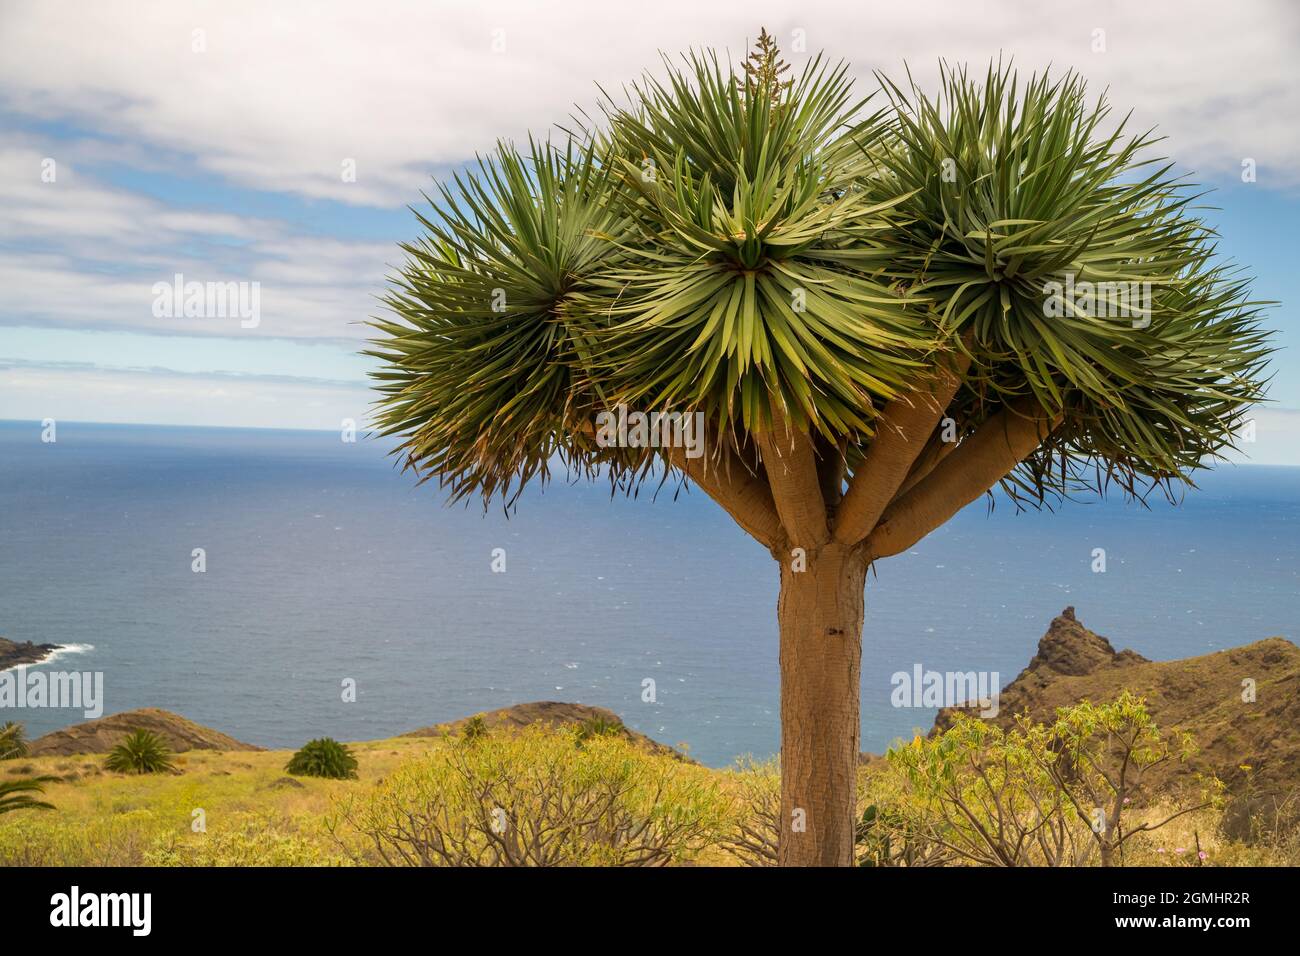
<point>326,564</point>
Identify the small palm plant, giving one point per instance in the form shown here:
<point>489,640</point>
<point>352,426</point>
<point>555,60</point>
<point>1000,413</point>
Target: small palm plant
<point>13,740</point>
<point>141,752</point>
<point>325,757</point>
<point>17,794</point>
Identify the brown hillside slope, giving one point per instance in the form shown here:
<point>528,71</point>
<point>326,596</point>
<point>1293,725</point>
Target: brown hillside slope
<point>1202,695</point>
<point>102,735</point>
<point>549,713</point>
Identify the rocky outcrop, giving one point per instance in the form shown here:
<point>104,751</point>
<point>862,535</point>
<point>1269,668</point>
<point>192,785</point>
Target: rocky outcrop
<point>1070,649</point>
<point>102,735</point>
<point>13,654</point>
<point>1206,696</point>
<point>549,713</point>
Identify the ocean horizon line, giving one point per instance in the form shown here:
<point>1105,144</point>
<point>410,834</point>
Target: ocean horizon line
<point>373,433</point>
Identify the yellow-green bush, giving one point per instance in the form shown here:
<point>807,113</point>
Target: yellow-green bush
<point>1046,794</point>
<point>256,841</point>
<point>45,839</point>
<point>536,797</point>
<point>755,822</point>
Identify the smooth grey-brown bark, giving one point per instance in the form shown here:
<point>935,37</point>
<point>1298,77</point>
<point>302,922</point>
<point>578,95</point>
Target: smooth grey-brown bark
<point>820,614</point>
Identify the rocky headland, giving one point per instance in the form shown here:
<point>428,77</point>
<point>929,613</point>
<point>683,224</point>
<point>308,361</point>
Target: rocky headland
<point>14,654</point>
<point>1241,705</point>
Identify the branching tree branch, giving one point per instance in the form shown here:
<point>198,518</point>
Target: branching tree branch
<point>791,465</point>
<point>742,494</point>
<point>975,466</point>
<point>904,428</point>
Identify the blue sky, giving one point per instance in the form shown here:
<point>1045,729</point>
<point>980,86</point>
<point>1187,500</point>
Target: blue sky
<point>215,141</point>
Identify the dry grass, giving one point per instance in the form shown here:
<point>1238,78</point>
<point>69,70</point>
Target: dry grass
<point>255,813</point>
<point>105,818</point>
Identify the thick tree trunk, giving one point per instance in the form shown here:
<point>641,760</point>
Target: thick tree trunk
<point>820,614</point>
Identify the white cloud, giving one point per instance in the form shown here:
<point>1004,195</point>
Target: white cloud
<point>167,398</point>
<point>82,254</point>
<point>52,290</point>
<point>282,95</point>
<point>72,208</point>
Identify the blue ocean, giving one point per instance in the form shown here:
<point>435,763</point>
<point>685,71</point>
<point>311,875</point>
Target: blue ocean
<point>324,564</point>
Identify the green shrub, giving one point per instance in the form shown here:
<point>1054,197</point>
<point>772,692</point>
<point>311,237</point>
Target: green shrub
<point>892,835</point>
<point>476,728</point>
<point>535,798</point>
<point>141,752</point>
<point>324,757</point>
<point>49,839</point>
<point>262,840</point>
<point>1036,794</point>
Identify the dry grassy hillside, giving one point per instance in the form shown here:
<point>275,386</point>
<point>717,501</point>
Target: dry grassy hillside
<point>1202,695</point>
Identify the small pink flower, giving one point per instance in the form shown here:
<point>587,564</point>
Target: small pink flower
<point>1126,800</point>
<point>1161,850</point>
<point>1203,855</point>
<point>1180,849</point>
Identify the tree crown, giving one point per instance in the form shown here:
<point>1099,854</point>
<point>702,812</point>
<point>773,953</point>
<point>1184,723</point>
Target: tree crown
<point>998,271</point>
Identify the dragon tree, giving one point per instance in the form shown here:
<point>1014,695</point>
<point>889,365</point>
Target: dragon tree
<point>881,309</point>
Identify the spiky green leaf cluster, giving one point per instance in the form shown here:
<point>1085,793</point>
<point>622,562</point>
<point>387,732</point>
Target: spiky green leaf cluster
<point>484,357</point>
<point>141,752</point>
<point>727,246</point>
<point>323,757</point>
<point>752,270</point>
<point>13,740</point>
<point>20,794</point>
<point>1073,267</point>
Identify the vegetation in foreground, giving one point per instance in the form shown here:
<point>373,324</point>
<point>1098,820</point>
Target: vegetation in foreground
<point>22,794</point>
<point>1075,792</point>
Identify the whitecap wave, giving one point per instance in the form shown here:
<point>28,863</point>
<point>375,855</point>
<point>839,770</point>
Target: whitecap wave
<point>67,649</point>
<point>63,651</point>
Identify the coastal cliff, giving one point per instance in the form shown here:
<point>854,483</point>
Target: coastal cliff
<point>102,735</point>
<point>13,654</point>
<point>1241,705</point>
